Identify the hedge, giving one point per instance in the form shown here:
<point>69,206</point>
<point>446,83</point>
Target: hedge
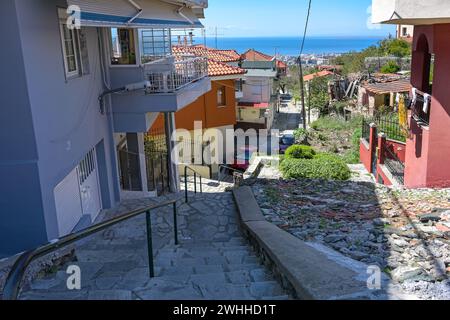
<point>322,166</point>
<point>300,152</point>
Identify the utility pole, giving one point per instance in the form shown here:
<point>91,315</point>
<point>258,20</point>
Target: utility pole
<point>302,91</point>
<point>309,102</point>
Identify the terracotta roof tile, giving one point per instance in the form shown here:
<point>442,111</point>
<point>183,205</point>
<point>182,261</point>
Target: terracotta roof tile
<point>217,65</point>
<point>311,76</point>
<point>387,87</point>
<point>253,55</point>
<point>218,55</point>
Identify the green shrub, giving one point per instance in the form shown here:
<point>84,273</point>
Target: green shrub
<point>300,152</point>
<point>301,134</point>
<point>323,166</point>
<point>390,67</point>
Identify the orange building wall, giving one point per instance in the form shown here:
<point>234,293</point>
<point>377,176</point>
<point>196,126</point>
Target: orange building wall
<point>205,109</point>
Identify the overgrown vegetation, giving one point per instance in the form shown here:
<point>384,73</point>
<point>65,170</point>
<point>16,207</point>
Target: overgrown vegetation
<point>355,61</point>
<point>390,67</point>
<point>333,134</point>
<point>320,166</point>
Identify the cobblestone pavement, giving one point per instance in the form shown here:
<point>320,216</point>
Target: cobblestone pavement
<point>213,260</point>
<point>405,232</point>
<point>289,118</point>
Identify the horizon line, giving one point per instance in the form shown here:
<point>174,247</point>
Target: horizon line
<point>299,37</point>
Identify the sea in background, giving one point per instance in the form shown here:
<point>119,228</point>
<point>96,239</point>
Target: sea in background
<point>290,46</point>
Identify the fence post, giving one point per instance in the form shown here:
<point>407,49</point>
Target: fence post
<point>381,147</point>
<point>373,142</point>
<point>150,244</point>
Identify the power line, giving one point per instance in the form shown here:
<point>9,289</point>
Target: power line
<point>302,85</point>
<point>306,27</point>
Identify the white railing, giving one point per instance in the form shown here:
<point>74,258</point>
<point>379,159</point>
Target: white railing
<point>168,74</point>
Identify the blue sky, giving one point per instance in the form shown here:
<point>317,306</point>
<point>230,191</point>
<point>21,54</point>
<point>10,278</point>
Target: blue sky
<point>252,18</point>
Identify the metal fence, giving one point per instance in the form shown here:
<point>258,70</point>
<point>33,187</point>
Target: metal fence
<point>130,173</point>
<point>366,130</point>
<point>388,124</point>
<point>168,75</point>
<point>392,162</point>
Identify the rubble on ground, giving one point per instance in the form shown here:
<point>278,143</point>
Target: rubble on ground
<point>405,232</point>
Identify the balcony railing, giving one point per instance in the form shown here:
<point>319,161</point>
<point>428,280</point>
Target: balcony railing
<point>421,107</point>
<point>167,75</point>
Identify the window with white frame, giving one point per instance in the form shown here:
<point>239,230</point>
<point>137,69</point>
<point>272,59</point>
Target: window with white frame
<point>74,46</point>
<point>156,43</point>
<point>70,51</point>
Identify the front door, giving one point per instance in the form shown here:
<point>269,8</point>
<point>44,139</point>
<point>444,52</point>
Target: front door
<point>89,185</point>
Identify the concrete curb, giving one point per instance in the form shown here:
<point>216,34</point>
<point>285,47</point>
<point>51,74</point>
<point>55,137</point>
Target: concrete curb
<point>311,274</point>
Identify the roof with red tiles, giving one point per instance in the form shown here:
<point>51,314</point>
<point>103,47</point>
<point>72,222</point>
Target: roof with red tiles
<point>254,55</point>
<point>217,65</point>
<point>217,69</point>
<point>398,86</point>
<point>201,50</point>
<point>281,64</point>
<point>319,74</point>
<point>232,53</point>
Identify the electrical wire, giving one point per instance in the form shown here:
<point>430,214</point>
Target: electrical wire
<point>306,27</point>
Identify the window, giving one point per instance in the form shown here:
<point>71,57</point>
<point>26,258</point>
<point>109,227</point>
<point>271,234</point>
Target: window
<point>156,43</point>
<point>70,51</point>
<point>221,96</point>
<point>123,45</point>
<point>405,32</point>
<point>74,45</point>
<point>238,87</point>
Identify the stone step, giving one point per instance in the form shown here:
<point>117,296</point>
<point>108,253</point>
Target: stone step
<point>276,298</point>
<point>266,289</point>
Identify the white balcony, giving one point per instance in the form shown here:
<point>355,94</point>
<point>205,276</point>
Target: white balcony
<point>168,76</point>
<point>173,86</point>
<point>410,12</point>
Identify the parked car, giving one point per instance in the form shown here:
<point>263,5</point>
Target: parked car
<point>286,140</point>
<point>243,157</point>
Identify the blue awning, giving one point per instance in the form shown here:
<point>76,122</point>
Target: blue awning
<point>135,14</point>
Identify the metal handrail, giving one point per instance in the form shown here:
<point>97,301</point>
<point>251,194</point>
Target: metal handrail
<point>186,168</point>
<point>236,172</point>
<point>17,273</point>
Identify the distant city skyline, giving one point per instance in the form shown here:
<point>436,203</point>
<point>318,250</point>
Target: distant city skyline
<point>267,18</point>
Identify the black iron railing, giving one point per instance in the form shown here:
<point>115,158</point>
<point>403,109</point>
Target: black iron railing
<point>366,130</point>
<point>130,170</point>
<point>15,277</point>
<point>392,162</point>
<point>388,124</point>
<point>238,176</point>
<point>186,191</point>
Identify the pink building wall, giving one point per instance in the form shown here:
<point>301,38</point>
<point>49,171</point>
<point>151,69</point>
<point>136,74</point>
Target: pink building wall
<point>428,149</point>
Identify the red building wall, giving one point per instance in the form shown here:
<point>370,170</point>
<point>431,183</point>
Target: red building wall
<point>428,150</point>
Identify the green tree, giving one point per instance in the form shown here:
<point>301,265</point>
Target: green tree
<point>319,98</point>
<point>390,67</point>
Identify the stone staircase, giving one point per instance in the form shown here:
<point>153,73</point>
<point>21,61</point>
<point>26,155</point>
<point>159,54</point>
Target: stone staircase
<point>213,261</point>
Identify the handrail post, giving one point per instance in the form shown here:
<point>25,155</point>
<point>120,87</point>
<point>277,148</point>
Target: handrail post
<point>150,245</point>
<point>195,182</point>
<point>201,185</point>
<point>175,223</point>
<point>186,185</point>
